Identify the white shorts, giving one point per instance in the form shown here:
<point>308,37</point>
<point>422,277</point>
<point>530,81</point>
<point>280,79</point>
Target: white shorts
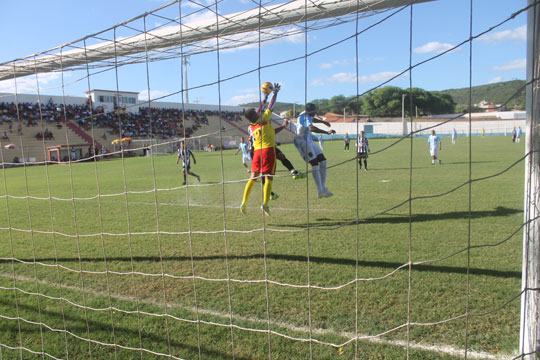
<point>246,159</point>
<point>434,152</point>
<point>307,149</point>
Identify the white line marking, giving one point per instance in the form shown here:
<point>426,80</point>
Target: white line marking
<point>440,348</point>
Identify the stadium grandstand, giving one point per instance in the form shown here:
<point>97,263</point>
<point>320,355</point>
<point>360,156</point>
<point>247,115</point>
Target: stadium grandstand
<point>98,122</point>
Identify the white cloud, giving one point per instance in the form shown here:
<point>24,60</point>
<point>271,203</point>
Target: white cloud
<point>348,77</point>
<point>519,33</point>
<point>154,94</point>
<point>198,4</point>
<point>242,99</point>
<point>433,47</point>
<point>351,77</point>
<point>247,90</point>
<point>325,66</point>
<point>379,77</point>
<point>496,79</point>
<point>512,65</point>
<point>317,82</point>
<point>199,16</point>
<point>342,77</point>
<point>28,84</point>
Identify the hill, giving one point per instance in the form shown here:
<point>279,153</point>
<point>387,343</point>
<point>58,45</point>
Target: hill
<point>510,92</point>
<point>278,106</point>
<point>498,93</point>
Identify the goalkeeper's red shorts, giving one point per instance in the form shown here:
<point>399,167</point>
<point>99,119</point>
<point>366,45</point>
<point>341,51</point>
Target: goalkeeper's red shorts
<point>264,161</point>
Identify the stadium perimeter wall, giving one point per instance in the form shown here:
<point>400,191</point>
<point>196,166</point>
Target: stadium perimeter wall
<point>489,127</point>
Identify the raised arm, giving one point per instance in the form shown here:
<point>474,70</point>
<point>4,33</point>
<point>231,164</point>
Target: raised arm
<point>317,119</point>
<point>262,107</point>
<point>277,87</point>
<point>283,126</point>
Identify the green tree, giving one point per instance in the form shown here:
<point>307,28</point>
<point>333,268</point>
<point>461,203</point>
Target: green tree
<point>387,102</point>
<point>383,102</point>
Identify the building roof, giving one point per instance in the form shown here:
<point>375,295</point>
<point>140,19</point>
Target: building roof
<point>111,91</point>
<point>331,117</point>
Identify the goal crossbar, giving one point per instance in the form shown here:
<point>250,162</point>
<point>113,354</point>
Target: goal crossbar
<point>189,33</point>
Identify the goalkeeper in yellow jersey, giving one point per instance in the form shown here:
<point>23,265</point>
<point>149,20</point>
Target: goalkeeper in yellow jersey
<point>264,153</point>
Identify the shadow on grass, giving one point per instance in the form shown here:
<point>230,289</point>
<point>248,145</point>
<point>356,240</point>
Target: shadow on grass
<point>105,330</point>
<point>428,165</point>
<point>389,265</point>
<point>499,211</point>
<point>321,223</point>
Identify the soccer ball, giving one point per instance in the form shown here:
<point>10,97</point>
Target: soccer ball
<point>267,87</point>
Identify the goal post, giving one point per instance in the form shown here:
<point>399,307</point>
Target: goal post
<point>530,329</point>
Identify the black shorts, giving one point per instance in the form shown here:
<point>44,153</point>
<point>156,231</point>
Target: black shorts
<point>362,155</point>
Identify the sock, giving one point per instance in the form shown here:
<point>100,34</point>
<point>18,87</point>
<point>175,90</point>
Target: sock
<point>315,171</point>
<point>267,190</point>
<point>365,163</point>
<point>287,164</point>
<point>322,170</point>
<point>247,190</point>
<point>194,175</point>
<point>185,178</point>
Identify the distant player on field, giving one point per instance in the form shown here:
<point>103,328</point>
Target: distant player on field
<point>186,154</point>
<point>246,153</point>
<point>264,153</point>
<point>309,150</point>
<point>434,145</point>
<point>362,146</point>
<point>454,136</point>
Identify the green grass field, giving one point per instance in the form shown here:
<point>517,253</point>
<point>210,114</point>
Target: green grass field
<point>91,267</point>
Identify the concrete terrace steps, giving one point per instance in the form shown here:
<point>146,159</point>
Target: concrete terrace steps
<point>82,134</point>
<point>33,147</point>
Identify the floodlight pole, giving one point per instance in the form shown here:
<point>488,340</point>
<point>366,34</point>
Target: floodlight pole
<point>186,63</point>
<point>530,329</point>
<point>404,124</point>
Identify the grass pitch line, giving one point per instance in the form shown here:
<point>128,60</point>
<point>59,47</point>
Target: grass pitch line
<point>440,349</point>
<point>233,206</point>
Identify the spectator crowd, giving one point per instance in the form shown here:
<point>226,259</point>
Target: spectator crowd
<point>160,122</point>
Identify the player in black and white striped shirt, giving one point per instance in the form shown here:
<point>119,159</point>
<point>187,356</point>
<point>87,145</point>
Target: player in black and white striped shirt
<point>186,154</point>
<point>362,146</point>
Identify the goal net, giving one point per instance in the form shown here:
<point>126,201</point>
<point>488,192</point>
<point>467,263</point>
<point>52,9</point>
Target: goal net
<point>111,251</point>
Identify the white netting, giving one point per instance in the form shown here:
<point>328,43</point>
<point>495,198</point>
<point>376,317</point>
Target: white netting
<point>108,255</point>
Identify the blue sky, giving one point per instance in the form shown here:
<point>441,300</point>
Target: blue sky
<point>30,26</point>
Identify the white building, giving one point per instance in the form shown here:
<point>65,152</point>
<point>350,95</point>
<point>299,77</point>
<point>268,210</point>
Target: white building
<point>109,100</point>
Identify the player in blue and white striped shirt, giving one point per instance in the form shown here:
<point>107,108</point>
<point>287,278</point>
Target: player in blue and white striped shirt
<point>434,145</point>
<point>309,150</point>
<point>246,154</point>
